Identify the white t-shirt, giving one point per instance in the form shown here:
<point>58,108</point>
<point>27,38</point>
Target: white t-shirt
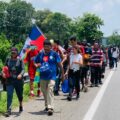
<point>115,53</point>
<point>75,58</point>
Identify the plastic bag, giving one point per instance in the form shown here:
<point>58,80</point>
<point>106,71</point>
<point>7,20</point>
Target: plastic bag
<point>65,86</point>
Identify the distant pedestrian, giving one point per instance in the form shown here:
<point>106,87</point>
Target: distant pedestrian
<point>115,56</point>
<point>96,61</point>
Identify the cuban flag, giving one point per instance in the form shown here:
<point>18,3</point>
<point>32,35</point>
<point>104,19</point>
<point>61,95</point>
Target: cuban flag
<point>36,38</point>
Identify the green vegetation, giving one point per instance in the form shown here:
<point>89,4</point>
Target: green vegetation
<point>16,21</point>
<point>114,39</point>
<point>15,100</point>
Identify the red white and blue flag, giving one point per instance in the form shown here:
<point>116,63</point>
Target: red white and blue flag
<point>36,38</point>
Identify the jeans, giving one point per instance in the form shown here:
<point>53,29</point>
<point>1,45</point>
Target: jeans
<point>57,82</point>
<point>95,75</point>
<point>114,62</point>
<point>18,86</point>
<point>74,81</point>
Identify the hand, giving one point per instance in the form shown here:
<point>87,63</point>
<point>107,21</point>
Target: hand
<point>37,65</point>
<point>100,64</point>
<point>66,74</point>
<point>19,77</point>
<point>3,75</point>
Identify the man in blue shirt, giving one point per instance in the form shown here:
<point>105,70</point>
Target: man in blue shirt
<point>48,61</point>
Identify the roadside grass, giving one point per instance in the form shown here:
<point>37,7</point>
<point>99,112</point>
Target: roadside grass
<point>15,103</point>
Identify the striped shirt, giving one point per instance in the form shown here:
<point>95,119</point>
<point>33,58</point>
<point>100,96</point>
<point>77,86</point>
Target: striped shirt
<point>96,57</point>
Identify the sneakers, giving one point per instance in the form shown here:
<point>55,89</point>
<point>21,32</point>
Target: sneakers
<point>20,109</point>
<point>96,85</point>
<point>8,113</point>
<point>31,95</point>
<point>85,89</point>
<point>69,98</point>
<point>56,93</point>
<point>39,93</point>
<point>50,112</point>
<point>100,82</point>
<point>46,109</point>
<point>77,97</point>
<point>92,85</point>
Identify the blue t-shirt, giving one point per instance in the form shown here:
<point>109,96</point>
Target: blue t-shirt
<point>52,58</point>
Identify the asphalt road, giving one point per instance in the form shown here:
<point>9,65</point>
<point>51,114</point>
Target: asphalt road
<point>106,106</point>
<point>109,108</point>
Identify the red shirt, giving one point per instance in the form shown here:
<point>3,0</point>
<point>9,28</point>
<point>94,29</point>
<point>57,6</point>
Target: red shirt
<point>30,59</point>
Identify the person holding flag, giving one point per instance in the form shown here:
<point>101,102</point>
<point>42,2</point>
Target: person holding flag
<point>32,69</point>
<point>33,44</point>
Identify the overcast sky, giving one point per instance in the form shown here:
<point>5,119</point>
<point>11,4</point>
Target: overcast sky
<point>108,10</point>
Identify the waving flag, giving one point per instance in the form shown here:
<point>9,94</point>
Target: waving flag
<point>36,38</point>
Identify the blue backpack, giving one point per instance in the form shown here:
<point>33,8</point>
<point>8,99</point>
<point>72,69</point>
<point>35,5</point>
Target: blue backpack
<point>45,70</point>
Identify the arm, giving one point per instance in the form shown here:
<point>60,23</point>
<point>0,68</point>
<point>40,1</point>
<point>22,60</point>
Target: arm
<point>58,60</point>
<point>62,70</point>
<point>64,58</point>
<point>37,61</point>
<point>22,70</point>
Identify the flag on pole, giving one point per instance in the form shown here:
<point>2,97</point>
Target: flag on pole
<point>36,38</point>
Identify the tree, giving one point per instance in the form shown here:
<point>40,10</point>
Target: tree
<point>57,26</point>
<point>3,11</point>
<point>5,46</point>
<point>40,16</point>
<point>114,39</point>
<point>18,20</point>
<point>88,27</point>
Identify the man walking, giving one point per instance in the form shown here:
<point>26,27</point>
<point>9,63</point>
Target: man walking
<point>48,60</point>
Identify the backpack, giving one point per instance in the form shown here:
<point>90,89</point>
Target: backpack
<point>18,63</point>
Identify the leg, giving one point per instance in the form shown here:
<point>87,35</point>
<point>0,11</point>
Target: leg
<point>50,94</point>
<point>116,62</point>
<point>82,76</point>
<point>44,87</point>
<point>38,91</point>
<point>32,88</point>
<point>19,92</point>
<point>71,84</point>
<point>10,90</point>
<point>97,73</point>
<point>92,76</point>
<point>77,83</point>
<point>57,83</point>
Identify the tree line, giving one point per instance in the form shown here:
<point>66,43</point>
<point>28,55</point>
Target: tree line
<point>16,21</point>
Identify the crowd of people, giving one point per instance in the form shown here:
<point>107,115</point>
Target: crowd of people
<point>82,64</point>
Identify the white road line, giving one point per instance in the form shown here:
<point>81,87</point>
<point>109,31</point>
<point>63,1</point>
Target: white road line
<point>91,111</point>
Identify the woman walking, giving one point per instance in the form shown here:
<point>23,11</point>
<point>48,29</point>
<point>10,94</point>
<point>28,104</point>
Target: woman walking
<point>73,71</point>
<point>15,68</point>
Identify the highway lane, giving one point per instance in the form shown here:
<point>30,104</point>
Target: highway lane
<point>109,107</point>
